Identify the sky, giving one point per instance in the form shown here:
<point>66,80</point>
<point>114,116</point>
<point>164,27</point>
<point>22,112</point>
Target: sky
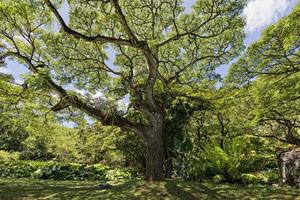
<point>258,13</point>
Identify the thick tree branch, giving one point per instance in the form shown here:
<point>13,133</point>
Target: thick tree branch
<point>134,42</point>
<point>184,68</point>
<point>190,32</point>
<point>273,137</point>
<point>124,23</point>
<point>150,57</point>
<point>97,38</point>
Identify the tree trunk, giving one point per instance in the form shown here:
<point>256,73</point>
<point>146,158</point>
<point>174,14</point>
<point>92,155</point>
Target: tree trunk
<point>154,156</point>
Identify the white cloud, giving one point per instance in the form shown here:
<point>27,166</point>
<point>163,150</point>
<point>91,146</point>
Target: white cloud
<point>260,13</point>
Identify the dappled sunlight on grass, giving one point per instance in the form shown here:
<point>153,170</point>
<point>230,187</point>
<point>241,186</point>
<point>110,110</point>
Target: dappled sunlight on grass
<point>138,189</point>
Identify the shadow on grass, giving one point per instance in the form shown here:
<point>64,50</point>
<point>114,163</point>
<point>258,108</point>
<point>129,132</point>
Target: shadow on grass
<point>137,189</point>
<point>33,189</point>
<point>179,192</point>
<point>191,191</point>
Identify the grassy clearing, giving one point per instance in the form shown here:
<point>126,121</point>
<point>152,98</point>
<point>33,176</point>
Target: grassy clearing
<point>137,189</point>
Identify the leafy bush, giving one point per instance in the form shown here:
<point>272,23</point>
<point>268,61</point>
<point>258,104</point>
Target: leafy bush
<point>36,148</point>
<point>230,163</point>
<point>249,178</point>
<point>121,174</point>
<point>16,169</point>
<point>11,135</point>
<point>271,176</point>
<point>52,170</point>
<point>9,156</point>
<point>63,171</point>
<point>218,179</point>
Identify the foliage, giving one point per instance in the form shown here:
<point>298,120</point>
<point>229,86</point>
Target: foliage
<point>12,133</point>
<point>119,174</point>
<point>11,137</point>
<point>133,150</point>
<point>52,170</point>
<point>97,143</point>
<point>228,164</point>
<point>275,54</point>
<point>36,148</point>
<point>218,178</point>
<point>262,177</point>
<point>8,156</point>
<point>269,71</point>
<point>65,171</point>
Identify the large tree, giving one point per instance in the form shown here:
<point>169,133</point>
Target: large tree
<point>161,53</point>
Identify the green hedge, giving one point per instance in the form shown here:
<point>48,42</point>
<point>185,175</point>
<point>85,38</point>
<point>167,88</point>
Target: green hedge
<point>52,170</point>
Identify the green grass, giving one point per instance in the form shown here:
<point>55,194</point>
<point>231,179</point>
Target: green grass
<point>137,189</point>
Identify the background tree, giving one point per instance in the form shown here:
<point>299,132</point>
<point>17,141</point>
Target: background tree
<point>12,133</point>
<point>271,67</point>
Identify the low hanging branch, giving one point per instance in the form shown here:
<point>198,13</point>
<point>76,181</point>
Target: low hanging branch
<point>65,102</point>
<point>72,100</point>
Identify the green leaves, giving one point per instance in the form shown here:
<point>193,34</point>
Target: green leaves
<point>269,72</point>
<point>276,53</point>
<point>188,46</point>
<point>53,170</point>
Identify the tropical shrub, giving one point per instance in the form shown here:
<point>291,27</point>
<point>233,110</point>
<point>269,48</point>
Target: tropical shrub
<point>265,177</point>
<point>52,170</point>
<point>16,169</point>
<point>11,136</point>
<point>121,174</point>
<point>9,156</point>
<point>224,164</point>
<point>36,148</point>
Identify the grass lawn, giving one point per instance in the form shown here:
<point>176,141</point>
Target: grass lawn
<point>137,189</point>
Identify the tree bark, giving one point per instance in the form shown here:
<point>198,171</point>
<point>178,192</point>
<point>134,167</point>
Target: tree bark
<point>154,156</point>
